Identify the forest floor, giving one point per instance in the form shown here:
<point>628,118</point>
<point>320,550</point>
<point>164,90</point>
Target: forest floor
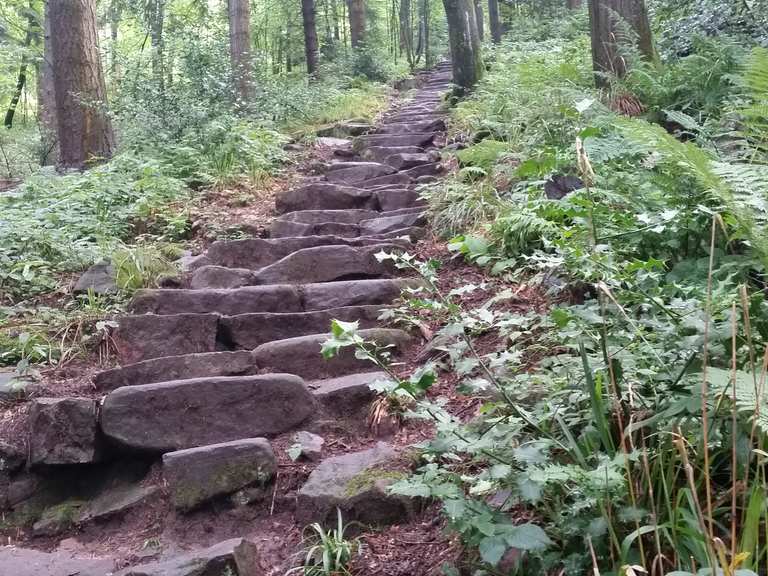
<point>416,548</point>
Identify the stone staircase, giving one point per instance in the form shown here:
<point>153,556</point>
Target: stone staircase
<point>215,369</point>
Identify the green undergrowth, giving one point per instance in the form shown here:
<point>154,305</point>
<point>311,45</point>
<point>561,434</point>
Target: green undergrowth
<point>622,431</point>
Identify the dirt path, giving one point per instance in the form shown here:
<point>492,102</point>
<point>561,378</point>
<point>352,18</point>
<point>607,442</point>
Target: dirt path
<point>183,457</point>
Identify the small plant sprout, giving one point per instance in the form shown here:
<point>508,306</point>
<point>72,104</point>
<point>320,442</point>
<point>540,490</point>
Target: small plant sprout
<point>329,551</point>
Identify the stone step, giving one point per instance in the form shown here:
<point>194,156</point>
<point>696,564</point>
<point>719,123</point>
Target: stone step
<point>145,365</point>
<point>412,116</point>
<point>368,227</point>
<point>411,127</point>
<point>148,336</point>
<point>168,416</point>
<point>346,396</point>
<point>318,264</point>
<point>179,367</point>
<point>380,153</point>
<point>257,253</point>
<point>321,195</point>
<point>280,298</point>
<point>16,561</point>
<point>358,172</point>
<point>237,557</point>
<point>344,129</point>
<point>247,331</point>
<point>301,355</point>
<point>422,140</point>
<point>407,161</point>
<point>429,169</point>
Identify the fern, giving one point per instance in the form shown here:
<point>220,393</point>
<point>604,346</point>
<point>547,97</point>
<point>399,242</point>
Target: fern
<point>721,384</point>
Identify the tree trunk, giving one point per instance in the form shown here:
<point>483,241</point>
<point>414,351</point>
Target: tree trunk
<point>83,125</point>
<point>239,13</point>
<point>356,10</point>
<point>573,4</point>
<point>464,39</point>
<point>115,15</point>
<point>156,23</point>
<point>609,21</point>
<point>406,32</point>
<point>310,35</point>
<point>46,95</point>
<point>494,21</point>
<point>21,79</point>
<point>335,16</point>
<point>479,18</point>
<point>424,18</point>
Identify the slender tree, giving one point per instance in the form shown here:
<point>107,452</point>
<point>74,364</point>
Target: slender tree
<point>32,33</point>
<point>356,11</point>
<point>573,4</point>
<point>156,19</point>
<point>464,39</point>
<point>239,14</point>
<point>480,19</point>
<point>613,23</point>
<point>310,35</point>
<point>494,21</point>
<point>83,125</point>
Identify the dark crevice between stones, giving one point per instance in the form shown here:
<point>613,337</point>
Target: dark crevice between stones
<point>224,340</point>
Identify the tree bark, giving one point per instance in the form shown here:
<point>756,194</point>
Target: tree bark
<point>46,95</point>
<point>406,32</point>
<point>609,21</point>
<point>239,13</point>
<point>479,19</point>
<point>494,21</point>
<point>310,35</point>
<point>424,19</point>
<point>83,124</point>
<point>356,10</point>
<point>573,4</point>
<point>464,40</point>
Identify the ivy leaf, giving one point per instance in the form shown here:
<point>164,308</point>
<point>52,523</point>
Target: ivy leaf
<point>294,451</point>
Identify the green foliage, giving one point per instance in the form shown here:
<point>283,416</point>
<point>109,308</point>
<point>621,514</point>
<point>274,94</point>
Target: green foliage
<point>329,551</point>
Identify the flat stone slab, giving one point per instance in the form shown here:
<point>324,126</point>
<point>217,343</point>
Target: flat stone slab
<point>222,558</point>
<point>63,431</point>
<point>395,199</point>
<point>183,414</point>
<point>256,253</point>
<point>330,142</point>
<point>280,298</point>
<point>405,161</point>
<point>354,293</point>
<point>221,277</point>
<point>196,475</point>
<point>247,331</point>
<point>358,172</point>
<point>389,223</point>
<point>342,129</point>
<point>321,216</point>
<point>400,178</point>
<point>356,484</point>
<point>301,355</point>
<point>116,500</point>
<point>347,395</point>
<point>151,336</point>
<point>380,153</point>
<point>324,195</point>
<point>420,140</point>
<point>181,367</point>
<point>276,298</point>
<point>327,263</point>
<point>429,125</point>
<point>24,562</point>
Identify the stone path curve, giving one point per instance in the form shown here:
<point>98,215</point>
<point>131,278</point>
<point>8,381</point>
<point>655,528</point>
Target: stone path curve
<point>213,370</point>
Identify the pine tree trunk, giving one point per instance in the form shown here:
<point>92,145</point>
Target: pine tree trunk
<point>464,39</point>
<point>424,18</point>
<point>479,19</point>
<point>310,35</point>
<point>115,15</point>
<point>240,47</point>
<point>83,125</point>
<point>494,21</point>
<point>607,19</point>
<point>46,95</point>
<point>356,10</point>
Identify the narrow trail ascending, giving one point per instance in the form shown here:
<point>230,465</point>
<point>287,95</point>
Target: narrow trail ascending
<point>213,371</point>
